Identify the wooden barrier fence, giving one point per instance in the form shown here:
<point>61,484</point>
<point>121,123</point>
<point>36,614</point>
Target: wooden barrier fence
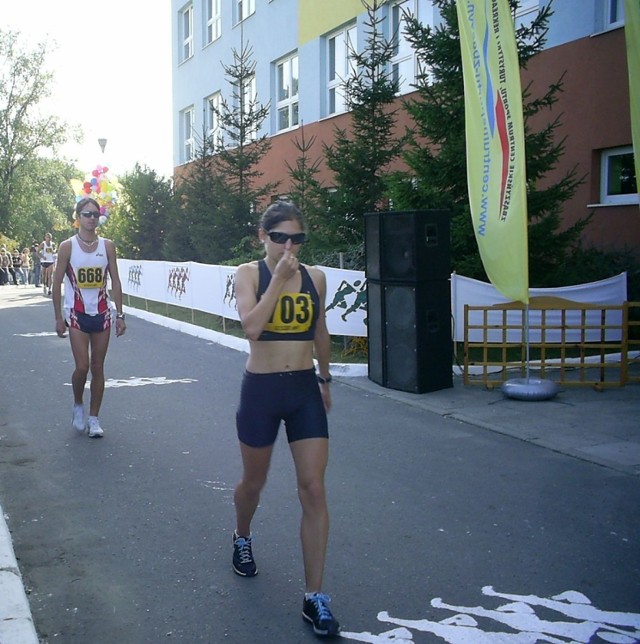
<point>581,353</point>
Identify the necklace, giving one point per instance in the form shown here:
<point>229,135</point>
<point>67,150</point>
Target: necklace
<point>87,243</point>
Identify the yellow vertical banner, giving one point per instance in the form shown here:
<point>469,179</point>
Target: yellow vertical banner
<point>632,39</point>
<point>496,169</point>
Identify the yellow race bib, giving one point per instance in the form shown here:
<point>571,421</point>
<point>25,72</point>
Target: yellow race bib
<point>293,314</point>
<point>88,277</point>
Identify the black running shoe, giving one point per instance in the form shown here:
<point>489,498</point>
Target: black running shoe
<point>243,563</point>
<point>317,613</point>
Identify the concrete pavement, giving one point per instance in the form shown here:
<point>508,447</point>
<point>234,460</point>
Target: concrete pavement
<point>593,426</point>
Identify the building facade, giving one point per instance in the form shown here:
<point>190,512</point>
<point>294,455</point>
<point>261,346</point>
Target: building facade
<point>301,54</point>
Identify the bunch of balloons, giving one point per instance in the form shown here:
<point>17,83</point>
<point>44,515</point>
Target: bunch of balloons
<point>100,187</point>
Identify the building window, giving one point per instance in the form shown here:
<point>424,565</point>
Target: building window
<point>186,33</point>
<point>403,61</point>
<point>214,20</point>
<point>186,134</point>
<point>287,93</point>
<point>341,66</point>
<point>248,100</point>
<point>614,13</point>
<point>213,105</point>
<point>618,182</point>
<point>525,13</point>
<point>243,9</point>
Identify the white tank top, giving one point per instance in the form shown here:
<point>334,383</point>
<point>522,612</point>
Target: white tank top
<point>85,282</point>
<point>48,251</point>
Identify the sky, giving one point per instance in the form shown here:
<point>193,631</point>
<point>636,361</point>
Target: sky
<point>111,62</point>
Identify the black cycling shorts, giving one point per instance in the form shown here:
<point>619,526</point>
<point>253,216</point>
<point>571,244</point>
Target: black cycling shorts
<point>266,399</point>
<point>89,323</point>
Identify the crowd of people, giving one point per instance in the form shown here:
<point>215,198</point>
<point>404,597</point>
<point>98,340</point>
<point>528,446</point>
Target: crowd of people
<point>30,267</point>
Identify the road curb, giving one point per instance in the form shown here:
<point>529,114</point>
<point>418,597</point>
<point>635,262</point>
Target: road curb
<point>16,622</point>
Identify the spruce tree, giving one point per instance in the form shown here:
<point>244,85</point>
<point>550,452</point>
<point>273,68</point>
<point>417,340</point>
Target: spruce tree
<point>308,193</point>
<point>360,156</point>
<point>199,233</point>
<point>237,152</point>
<point>138,225</point>
<point>436,154</point>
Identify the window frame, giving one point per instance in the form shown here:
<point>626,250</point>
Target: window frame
<point>606,197</point>
<point>187,128</point>
<point>213,20</point>
<point>399,42</point>
<point>613,14</point>
<point>186,33</point>
<point>291,102</point>
<point>212,124</point>
<point>335,85</point>
<point>249,96</point>
<point>243,9</point>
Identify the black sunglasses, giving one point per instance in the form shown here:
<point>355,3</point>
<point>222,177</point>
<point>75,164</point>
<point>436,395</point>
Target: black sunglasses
<point>282,238</point>
<point>90,213</point>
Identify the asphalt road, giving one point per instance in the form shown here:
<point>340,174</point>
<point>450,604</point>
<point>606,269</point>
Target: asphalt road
<point>441,531</point>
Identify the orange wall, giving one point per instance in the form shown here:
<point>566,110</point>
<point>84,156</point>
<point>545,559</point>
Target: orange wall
<point>594,110</point>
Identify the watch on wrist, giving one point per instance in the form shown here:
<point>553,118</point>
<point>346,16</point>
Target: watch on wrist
<point>324,381</point>
<point>119,316</point>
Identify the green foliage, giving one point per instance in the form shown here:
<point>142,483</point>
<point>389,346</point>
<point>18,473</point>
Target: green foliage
<point>239,150</point>
<point>194,233</point>
<point>308,193</point>
<point>437,151</point>
<point>218,193</point>
<point>138,224</point>
<point>43,200</point>
<point>360,157</point>
<point>24,133</point>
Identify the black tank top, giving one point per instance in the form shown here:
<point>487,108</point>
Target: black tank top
<point>295,314</point>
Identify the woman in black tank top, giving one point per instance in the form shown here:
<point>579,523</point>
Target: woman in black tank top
<point>281,307</point>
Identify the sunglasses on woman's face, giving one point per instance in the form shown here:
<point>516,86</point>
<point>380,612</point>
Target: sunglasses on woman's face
<point>282,238</point>
<point>90,213</point>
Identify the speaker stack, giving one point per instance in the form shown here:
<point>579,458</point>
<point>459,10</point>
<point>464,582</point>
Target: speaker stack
<point>409,299</point>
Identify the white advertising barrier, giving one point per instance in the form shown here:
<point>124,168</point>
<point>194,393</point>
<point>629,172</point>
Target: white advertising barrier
<point>210,288</point>
<point>612,291</point>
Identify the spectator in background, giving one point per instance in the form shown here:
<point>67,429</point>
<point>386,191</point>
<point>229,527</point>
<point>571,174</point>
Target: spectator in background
<point>35,263</point>
<point>25,265</point>
<point>16,264</point>
<point>5,263</point>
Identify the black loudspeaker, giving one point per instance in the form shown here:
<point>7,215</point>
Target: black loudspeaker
<point>408,246</point>
<point>409,329</point>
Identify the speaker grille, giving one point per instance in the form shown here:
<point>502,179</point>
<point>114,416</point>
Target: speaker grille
<point>399,258</point>
<point>410,345</point>
<point>408,246</point>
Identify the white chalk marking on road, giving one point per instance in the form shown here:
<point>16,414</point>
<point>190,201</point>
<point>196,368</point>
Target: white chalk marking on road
<point>219,486</point>
<point>140,382</point>
<point>578,622</point>
<point>40,334</point>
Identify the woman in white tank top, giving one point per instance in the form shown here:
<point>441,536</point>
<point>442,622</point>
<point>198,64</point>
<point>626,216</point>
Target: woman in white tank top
<point>85,261</point>
<point>47,253</point>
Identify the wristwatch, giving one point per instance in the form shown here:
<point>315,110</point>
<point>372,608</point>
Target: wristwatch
<point>324,381</point>
<point>119,316</point>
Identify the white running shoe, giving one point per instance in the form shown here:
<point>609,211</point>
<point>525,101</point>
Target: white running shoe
<point>77,420</point>
<point>95,431</point>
